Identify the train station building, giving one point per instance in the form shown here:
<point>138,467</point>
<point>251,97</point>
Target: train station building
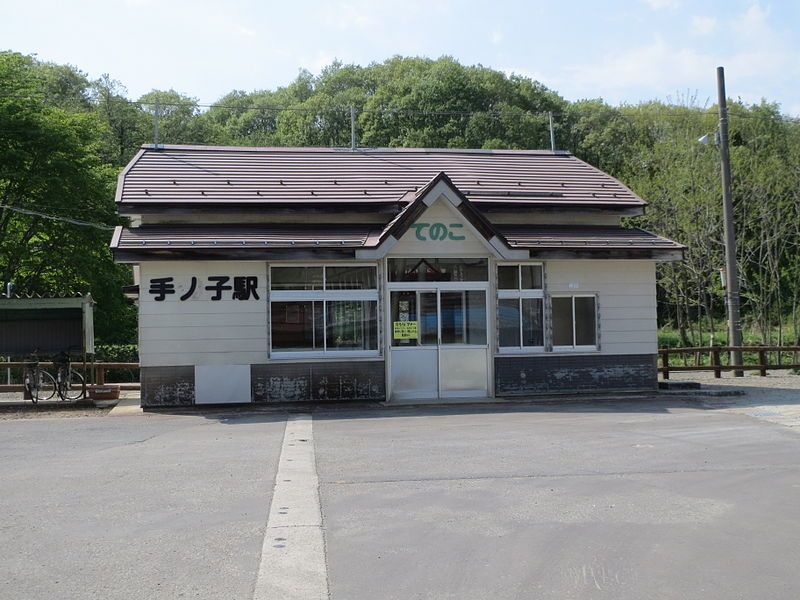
<point>306,274</point>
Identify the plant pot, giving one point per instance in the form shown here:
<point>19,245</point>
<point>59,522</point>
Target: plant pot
<point>103,392</point>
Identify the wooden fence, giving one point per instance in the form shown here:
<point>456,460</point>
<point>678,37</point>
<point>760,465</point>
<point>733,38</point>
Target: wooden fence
<point>711,359</point>
<point>708,358</point>
<point>99,378</point>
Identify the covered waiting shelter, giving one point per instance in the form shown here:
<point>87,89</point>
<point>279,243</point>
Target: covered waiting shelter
<point>46,326</point>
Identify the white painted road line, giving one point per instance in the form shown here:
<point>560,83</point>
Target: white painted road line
<point>293,562</point>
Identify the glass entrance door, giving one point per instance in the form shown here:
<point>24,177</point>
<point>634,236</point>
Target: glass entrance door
<point>463,348</point>
<point>439,342</point>
<point>414,344</point>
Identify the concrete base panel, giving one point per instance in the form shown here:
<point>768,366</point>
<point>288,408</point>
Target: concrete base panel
<point>276,382</point>
<point>167,386</point>
<point>555,373</point>
<point>293,382</point>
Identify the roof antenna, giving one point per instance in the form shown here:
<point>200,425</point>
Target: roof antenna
<point>352,128</point>
<point>552,132</point>
<point>156,116</point>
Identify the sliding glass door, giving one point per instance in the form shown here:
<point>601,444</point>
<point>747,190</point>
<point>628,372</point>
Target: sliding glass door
<point>439,340</point>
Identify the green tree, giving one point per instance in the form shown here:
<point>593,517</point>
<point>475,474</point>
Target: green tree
<point>127,126</point>
<point>178,118</point>
<point>49,164</point>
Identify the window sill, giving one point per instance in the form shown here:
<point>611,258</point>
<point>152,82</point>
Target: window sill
<point>506,350</point>
<point>588,349</point>
<point>327,356</point>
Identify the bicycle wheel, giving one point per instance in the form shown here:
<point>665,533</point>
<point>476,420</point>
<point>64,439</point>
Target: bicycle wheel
<point>46,388</point>
<point>73,388</point>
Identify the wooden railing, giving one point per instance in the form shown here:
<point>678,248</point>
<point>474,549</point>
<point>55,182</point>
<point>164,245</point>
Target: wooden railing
<point>715,355</point>
<point>100,369</point>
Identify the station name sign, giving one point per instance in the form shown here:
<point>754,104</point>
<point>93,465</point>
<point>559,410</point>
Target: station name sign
<point>240,287</point>
<point>439,231</point>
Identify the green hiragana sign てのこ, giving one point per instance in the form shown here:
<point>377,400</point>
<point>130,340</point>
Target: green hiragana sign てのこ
<point>439,231</point>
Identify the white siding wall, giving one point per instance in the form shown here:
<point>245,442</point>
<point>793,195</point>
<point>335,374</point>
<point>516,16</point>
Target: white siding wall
<point>199,331</point>
<point>626,299</point>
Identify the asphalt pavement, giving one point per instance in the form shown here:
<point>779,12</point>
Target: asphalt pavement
<point>631,500</point>
<point>152,506</point>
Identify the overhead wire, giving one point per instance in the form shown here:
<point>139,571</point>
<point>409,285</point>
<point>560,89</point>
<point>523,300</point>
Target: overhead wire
<point>27,211</point>
<point>619,110</point>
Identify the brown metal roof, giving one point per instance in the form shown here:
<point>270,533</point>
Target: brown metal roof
<point>144,239</point>
<point>582,237</point>
<point>225,237</point>
<point>189,175</point>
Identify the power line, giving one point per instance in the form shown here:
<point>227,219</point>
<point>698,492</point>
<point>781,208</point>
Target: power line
<point>26,211</point>
<point>618,111</point>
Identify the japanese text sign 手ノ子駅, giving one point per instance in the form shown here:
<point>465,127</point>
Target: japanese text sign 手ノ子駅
<point>243,287</point>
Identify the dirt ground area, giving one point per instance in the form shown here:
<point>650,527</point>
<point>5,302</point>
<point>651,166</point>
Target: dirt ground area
<point>774,398</point>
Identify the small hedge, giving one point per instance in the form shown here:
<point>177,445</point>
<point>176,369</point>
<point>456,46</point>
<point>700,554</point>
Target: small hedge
<point>125,353</point>
<point>116,353</point>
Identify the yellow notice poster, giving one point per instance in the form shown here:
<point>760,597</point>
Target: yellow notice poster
<point>404,330</point>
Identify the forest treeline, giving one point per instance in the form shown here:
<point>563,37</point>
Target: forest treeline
<point>65,137</point>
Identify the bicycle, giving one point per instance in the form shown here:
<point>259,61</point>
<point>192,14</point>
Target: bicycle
<point>39,384</point>
<point>69,384</point>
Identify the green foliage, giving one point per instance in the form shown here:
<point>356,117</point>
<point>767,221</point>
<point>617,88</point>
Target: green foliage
<point>50,163</point>
<point>126,125</point>
<point>116,353</point>
<point>64,138</point>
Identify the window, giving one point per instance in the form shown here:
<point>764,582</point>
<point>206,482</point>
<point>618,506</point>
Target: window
<point>421,311</point>
<point>520,307</point>
<point>296,278</point>
<point>464,317</point>
<point>324,310</point>
<point>297,326</point>
<point>446,317</point>
<point>574,322</point>
<point>438,269</point>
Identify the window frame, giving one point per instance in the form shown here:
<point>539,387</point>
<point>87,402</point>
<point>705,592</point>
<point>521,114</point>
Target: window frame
<point>519,294</point>
<point>324,296</point>
<point>582,348</point>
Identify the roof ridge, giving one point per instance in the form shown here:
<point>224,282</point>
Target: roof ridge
<point>361,150</point>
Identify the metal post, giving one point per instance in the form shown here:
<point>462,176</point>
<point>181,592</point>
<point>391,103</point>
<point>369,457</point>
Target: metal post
<point>552,132</point>
<point>352,128</point>
<point>156,116</point>
<point>731,272</point>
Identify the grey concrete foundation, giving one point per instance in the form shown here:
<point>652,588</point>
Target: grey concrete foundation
<point>555,373</point>
<point>276,382</point>
<point>167,386</point>
<point>345,380</point>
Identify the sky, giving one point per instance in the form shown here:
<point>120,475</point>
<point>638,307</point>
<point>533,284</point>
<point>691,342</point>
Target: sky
<point>622,51</point>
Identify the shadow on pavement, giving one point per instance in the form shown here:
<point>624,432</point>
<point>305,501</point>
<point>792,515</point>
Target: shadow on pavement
<point>654,403</point>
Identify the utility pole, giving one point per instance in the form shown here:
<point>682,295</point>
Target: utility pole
<point>731,271</point>
<point>552,132</point>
